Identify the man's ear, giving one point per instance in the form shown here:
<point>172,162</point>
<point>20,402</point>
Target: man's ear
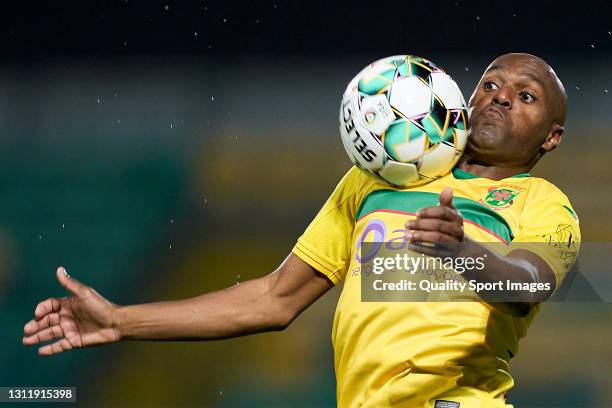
<point>553,138</point>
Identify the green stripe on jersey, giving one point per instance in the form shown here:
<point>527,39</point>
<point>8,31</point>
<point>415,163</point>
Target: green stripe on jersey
<point>412,201</point>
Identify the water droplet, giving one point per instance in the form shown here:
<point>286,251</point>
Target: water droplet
<point>466,69</point>
<point>125,43</point>
<point>170,246</point>
<point>220,393</point>
<point>225,20</point>
<point>118,121</point>
<point>592,46</point>
<point>171,125</point>
<point>166,7</point>
<point>40,237</point>
<point>171,220</point>
<point>605,90</point>
<point>257,21</point>
<point>98,100</point>
<point>64,225</point>
<point>578,88</point>
<point>195,34</point>
<point>477,17</point>
<point>212,98</point>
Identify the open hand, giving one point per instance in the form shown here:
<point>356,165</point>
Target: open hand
<point>82,319</point>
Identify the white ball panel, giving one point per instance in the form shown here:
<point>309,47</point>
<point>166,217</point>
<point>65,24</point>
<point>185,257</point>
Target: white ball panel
<point>375,69</point>
<point>411,96</point>
<point>367,146</point>
<point>376,114</point>
<point>399,174</point>
<point>462,137</point>
<point>362,146</point>
<point>410,150</point>
<point>447,90</point>
<point>438,161</point>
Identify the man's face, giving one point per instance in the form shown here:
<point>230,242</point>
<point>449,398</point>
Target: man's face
<point>511,111</point>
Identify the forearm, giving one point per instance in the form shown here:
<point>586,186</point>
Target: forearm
<point>500,268</point>
<point>239,310</point>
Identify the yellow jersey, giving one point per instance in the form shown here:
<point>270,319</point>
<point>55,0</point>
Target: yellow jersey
<point>431,354</point>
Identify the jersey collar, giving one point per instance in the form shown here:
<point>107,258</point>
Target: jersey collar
<point>464,175</point>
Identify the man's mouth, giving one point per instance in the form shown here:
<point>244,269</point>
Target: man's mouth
<point>494,111</point>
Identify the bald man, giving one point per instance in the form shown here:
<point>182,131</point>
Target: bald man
<point>395,354</point>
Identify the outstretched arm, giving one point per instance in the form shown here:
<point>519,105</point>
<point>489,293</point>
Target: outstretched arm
<point>85,318</point>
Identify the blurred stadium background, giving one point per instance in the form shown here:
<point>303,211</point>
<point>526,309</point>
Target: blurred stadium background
<point>169,170</point>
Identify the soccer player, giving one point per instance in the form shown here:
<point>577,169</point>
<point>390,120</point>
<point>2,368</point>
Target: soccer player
<point>393,354</point>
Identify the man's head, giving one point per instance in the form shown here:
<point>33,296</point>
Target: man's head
<point>517,112</point>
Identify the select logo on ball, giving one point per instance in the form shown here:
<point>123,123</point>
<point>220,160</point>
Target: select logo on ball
<point>351,136</point>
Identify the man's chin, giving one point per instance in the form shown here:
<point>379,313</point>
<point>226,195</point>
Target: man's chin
<point>485,137</point>
<point>485,144</point>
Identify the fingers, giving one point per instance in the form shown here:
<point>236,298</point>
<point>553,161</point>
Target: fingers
<point>435,250</point>
<point>442,212</point>
<point>50,305</point>
<point>452,228</point>
<point>446,198</point>
<point>34,325</point>
<point>437,225</point>
<point>49,333</point>
<point>69,283</point>
<point>433,237</point>
<point>55,348</point>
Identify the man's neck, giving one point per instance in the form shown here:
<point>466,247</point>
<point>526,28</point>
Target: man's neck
<point>492,172</point>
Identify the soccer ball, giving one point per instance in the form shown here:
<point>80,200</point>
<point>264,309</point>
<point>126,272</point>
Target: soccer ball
<point>403,120</point>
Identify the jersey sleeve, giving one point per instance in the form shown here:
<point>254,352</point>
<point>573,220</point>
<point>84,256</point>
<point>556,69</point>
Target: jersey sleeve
<point>326,243</point>
<point>549,227</point>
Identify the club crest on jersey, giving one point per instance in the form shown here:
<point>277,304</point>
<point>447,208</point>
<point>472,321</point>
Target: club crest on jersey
<point>499,198</point>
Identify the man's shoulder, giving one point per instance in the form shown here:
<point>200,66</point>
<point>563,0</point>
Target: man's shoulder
<point>546,194</point>
<point>362,182</point>
<point>543,188</point>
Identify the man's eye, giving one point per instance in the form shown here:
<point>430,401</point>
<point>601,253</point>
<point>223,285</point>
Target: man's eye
<point>527,97</point>
<point>489,86</point>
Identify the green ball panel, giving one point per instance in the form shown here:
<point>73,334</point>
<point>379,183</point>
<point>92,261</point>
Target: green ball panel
<point>461,122</point>
<point>399,133</point>
<point>378,83</point>
<point>437,123</point>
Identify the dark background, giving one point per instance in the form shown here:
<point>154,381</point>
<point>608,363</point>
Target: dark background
<point>294,28</point>
<point>160,150</point>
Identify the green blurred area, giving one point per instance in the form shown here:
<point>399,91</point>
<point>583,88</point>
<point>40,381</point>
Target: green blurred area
<point>155,180</point>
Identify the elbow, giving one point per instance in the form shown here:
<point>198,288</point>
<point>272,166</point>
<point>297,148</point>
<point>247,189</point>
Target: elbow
<point>281,320</point>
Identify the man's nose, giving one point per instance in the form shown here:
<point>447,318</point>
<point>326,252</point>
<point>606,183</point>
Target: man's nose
<point>503,97</point>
